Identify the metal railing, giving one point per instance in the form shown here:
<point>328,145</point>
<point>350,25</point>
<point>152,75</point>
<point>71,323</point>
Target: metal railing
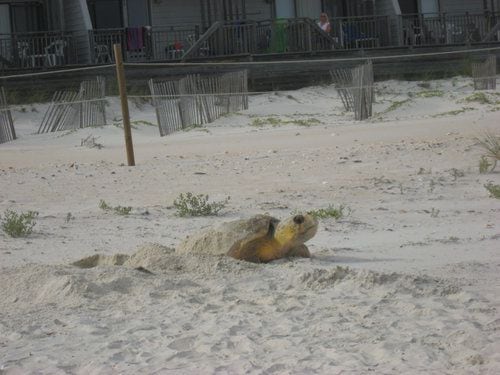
<point>142,43</point>
<point>362,32</point>
<point>445,29</point>
<point>37,50</point>
<point>270,36</point>
<point>292,35</point>
<point>163,43</point>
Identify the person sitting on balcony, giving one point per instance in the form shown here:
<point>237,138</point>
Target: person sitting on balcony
<point>324,23</point>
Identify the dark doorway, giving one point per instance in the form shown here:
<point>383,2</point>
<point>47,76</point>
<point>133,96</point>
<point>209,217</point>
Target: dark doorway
<point>349,8</point>
<point>27,17</point>
<point>408,6</point>
<point>106,14</point>
<point>138,13</point>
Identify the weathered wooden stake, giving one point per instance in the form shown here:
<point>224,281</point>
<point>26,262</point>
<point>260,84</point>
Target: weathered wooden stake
<point>120,76</point>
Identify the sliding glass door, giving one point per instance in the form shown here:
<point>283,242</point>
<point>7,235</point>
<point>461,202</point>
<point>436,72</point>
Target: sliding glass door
<point>106,14</point>
<point>5,30</point>
<point>5,26</point>
<point>285,9</point>
<point>138,13</point>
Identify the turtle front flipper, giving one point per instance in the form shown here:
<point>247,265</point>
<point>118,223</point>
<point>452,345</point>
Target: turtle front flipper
<point>244,250</point>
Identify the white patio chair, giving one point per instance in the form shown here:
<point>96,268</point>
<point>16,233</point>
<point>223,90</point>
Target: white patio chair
<point>54,52</point>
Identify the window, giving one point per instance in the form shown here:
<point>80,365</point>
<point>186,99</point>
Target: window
<point>22,17</point>
<point>5,27</point>
<point>106,14</point>
<point>430,7</point>
<point>408,6</point>
<point>138,13</point>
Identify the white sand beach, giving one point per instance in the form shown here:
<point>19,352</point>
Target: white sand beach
<point>408,281</point>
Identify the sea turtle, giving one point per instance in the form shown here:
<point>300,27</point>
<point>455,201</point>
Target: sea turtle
<point>260,239</point>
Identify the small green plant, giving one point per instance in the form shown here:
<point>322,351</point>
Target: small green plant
<point>104,206</point>
<point>142,122</point>
<point>330,212</point>
<point>189,204</point>
<point>19,225</point>
<point>305,122</point>
<point>119,210</point>
<point>454,113</point>
<point>494,190</point>
<point>275,121</point>
<point>478,97</point>
<point>429,94</point>
<point>491,144</point>
<point>484,165</point>
<point>395,105</point>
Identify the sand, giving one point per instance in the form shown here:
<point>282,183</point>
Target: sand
<point>406,282</point>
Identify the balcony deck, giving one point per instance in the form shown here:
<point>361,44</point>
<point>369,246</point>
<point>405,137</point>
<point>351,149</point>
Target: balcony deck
<point>266,39</point>
<point>36,51</point>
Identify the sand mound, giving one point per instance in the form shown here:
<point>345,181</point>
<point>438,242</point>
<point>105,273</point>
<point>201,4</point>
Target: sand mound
<point>101,276</point>
<point>147,256</point>
<point>288,313</point>
<point>101,260</point>
<point>160,259</point>
<point>318,279</point>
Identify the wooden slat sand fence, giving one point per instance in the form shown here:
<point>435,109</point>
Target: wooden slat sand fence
<point>196,100</point>
<point>343,81</point>
<point>167,105</point>
<point>62,113</point>
<point>362,83</point>
<point>355,88</point>
<point>93,104</point>
<point>72,110</point>
<point>7,131</point>
<point>484,74</point>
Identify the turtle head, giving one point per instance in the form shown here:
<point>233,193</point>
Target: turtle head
<point>296,229</point>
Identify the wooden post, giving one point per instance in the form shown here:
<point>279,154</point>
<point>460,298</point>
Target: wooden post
<point>120,76</point>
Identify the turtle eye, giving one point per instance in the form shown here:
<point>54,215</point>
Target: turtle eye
<point>299,219</point>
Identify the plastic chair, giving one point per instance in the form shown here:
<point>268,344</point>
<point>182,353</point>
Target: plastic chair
<point>54,53</point>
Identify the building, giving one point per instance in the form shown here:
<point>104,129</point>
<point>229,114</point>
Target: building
<point>41,34</point>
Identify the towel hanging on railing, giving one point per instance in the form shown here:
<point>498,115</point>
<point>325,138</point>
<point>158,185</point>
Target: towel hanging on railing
<point>135,38</point>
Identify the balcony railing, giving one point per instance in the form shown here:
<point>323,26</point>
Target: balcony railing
<point>270,36</point>
<point>362,32</point>
<point>45,50</point>
<point>445,29</point>
<point>39,50</point>
<point>142,43</point>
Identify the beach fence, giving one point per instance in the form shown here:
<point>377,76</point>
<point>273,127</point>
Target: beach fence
<point>72,110</point>
<point>355,88</point>
<point>362,79</point>
<point>7,131</point>
<point>484,74</point>
<point>343,83</point>
<point>197,99</point>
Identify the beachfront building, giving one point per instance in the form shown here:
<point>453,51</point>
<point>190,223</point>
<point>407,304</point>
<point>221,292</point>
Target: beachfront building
<point>42,34</point>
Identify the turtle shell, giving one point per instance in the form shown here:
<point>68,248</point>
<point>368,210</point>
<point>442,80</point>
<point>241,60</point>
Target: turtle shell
<point>219,239</point>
